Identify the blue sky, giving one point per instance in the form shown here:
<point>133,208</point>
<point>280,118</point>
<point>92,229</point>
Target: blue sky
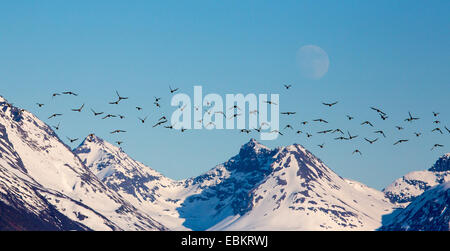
<point>390,54</point>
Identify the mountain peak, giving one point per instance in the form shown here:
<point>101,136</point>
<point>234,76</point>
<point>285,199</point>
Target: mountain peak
<point>254,145</point>
<point>442,164</point>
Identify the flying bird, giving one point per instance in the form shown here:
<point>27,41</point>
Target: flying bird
<point>436,145</point>
<point>39,104</point>
<point>55,115</point>
<point>79,109</point>
<point>70,93</point>
<point>288,126</point>
<point>304,122</point>
<point>383,117</point>
<point>366,123</point>
<point>341,138</point>
<point>338,130</point>
<point>56,94</point>
<point>350,137</point>
<point>330,104</point>
<point>371,141</point>
<point>357,151</point>
<point>400,141</point>
<point>321,146</point>
<point>56,127</point>
<point>109,116</point>
<point>160,123</point>
<point>350,117</point>
<point>324,132</point>
<point>138,108</point>
<point>119,142</point>
<point>399,128</point>
<point>96,113</point>
<point>411,118</point>
<point>417,134</point>
<point>121,116</point>
<point>380,132</point>
<point>436,122</point>
<point>287,86</point>
<point>276,131</point>
<point>173,90</point>
<point>288,113</point>
<point>377,110</point>
<point>435,114</point>
<point>143,120</point>
<point>71,140</point>
<point>437,129</point>
<point>117,131</point>
<point>270,103</point>
<point>448,130</point>
<point>120,98</point>
<point>320,120</point>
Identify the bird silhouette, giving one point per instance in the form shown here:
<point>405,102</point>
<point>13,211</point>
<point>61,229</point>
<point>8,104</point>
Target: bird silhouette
<point>435,114</point>
<point>288,113</point>
<point>341,138</point>
<point>234,107</point>
<point>401,141</point>
<point>276,131</point>
<point>320,120</point>
<point>120,98</point>
<point>56,94</point>
<point>350,137</point>
<point>173,90</point>
<point>270,103</point>
<point>183,129</point>
<point>169,127</point>
<point>160,123</point>
<point>157,104</point>
<point>304,122</point>
<point>324,132</point>
<point>399,128</point>
<point>322,145</point>
<point>157,99</point>
<point>287,86</point>
<point>383,117</point>
<point>119,142</point>
<point>436,145</point>
<point>411,118</point>
<point>371,141</point>
<point>114,102</point>
<point>448,130</point>
<point>378,110</point>
<point>366,123</point>
<point>117,131</point>
<point>235,115</point>
<point>380,132</point>
<point>308,135</point>
<point>436,122</point>
<point>109,116</point>
<point>70,93</point>
<point>417,134</point>
<point>330,104</point>
<point>71,140</point>
<point>350,117</point>
<point>357,151</point>
<point>338,130</point>
<point>138,108</point>
<point>79,109</point>
<point>96,113</point>
<point>245,131</point>
<point>437,130</point>
<point>288,126</point>
<point>143,120</point>
<point>55,115</point>
<point>121,116</point>
<point>39,104</point>
<point>56,127</point>
<point>299,131</point>
<point>162,118</point>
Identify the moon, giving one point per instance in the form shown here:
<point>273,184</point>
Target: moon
<point>313,61</point>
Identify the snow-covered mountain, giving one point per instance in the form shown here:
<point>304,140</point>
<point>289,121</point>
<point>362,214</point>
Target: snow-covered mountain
<point>405,189</point>
<point>142,186</point>
<point>286,188</point>
<point>428,212</point>
<point>43,185</point>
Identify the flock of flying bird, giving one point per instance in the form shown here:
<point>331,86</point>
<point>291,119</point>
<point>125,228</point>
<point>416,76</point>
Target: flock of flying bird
<point>162,121</point>
<point>382,115</point>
